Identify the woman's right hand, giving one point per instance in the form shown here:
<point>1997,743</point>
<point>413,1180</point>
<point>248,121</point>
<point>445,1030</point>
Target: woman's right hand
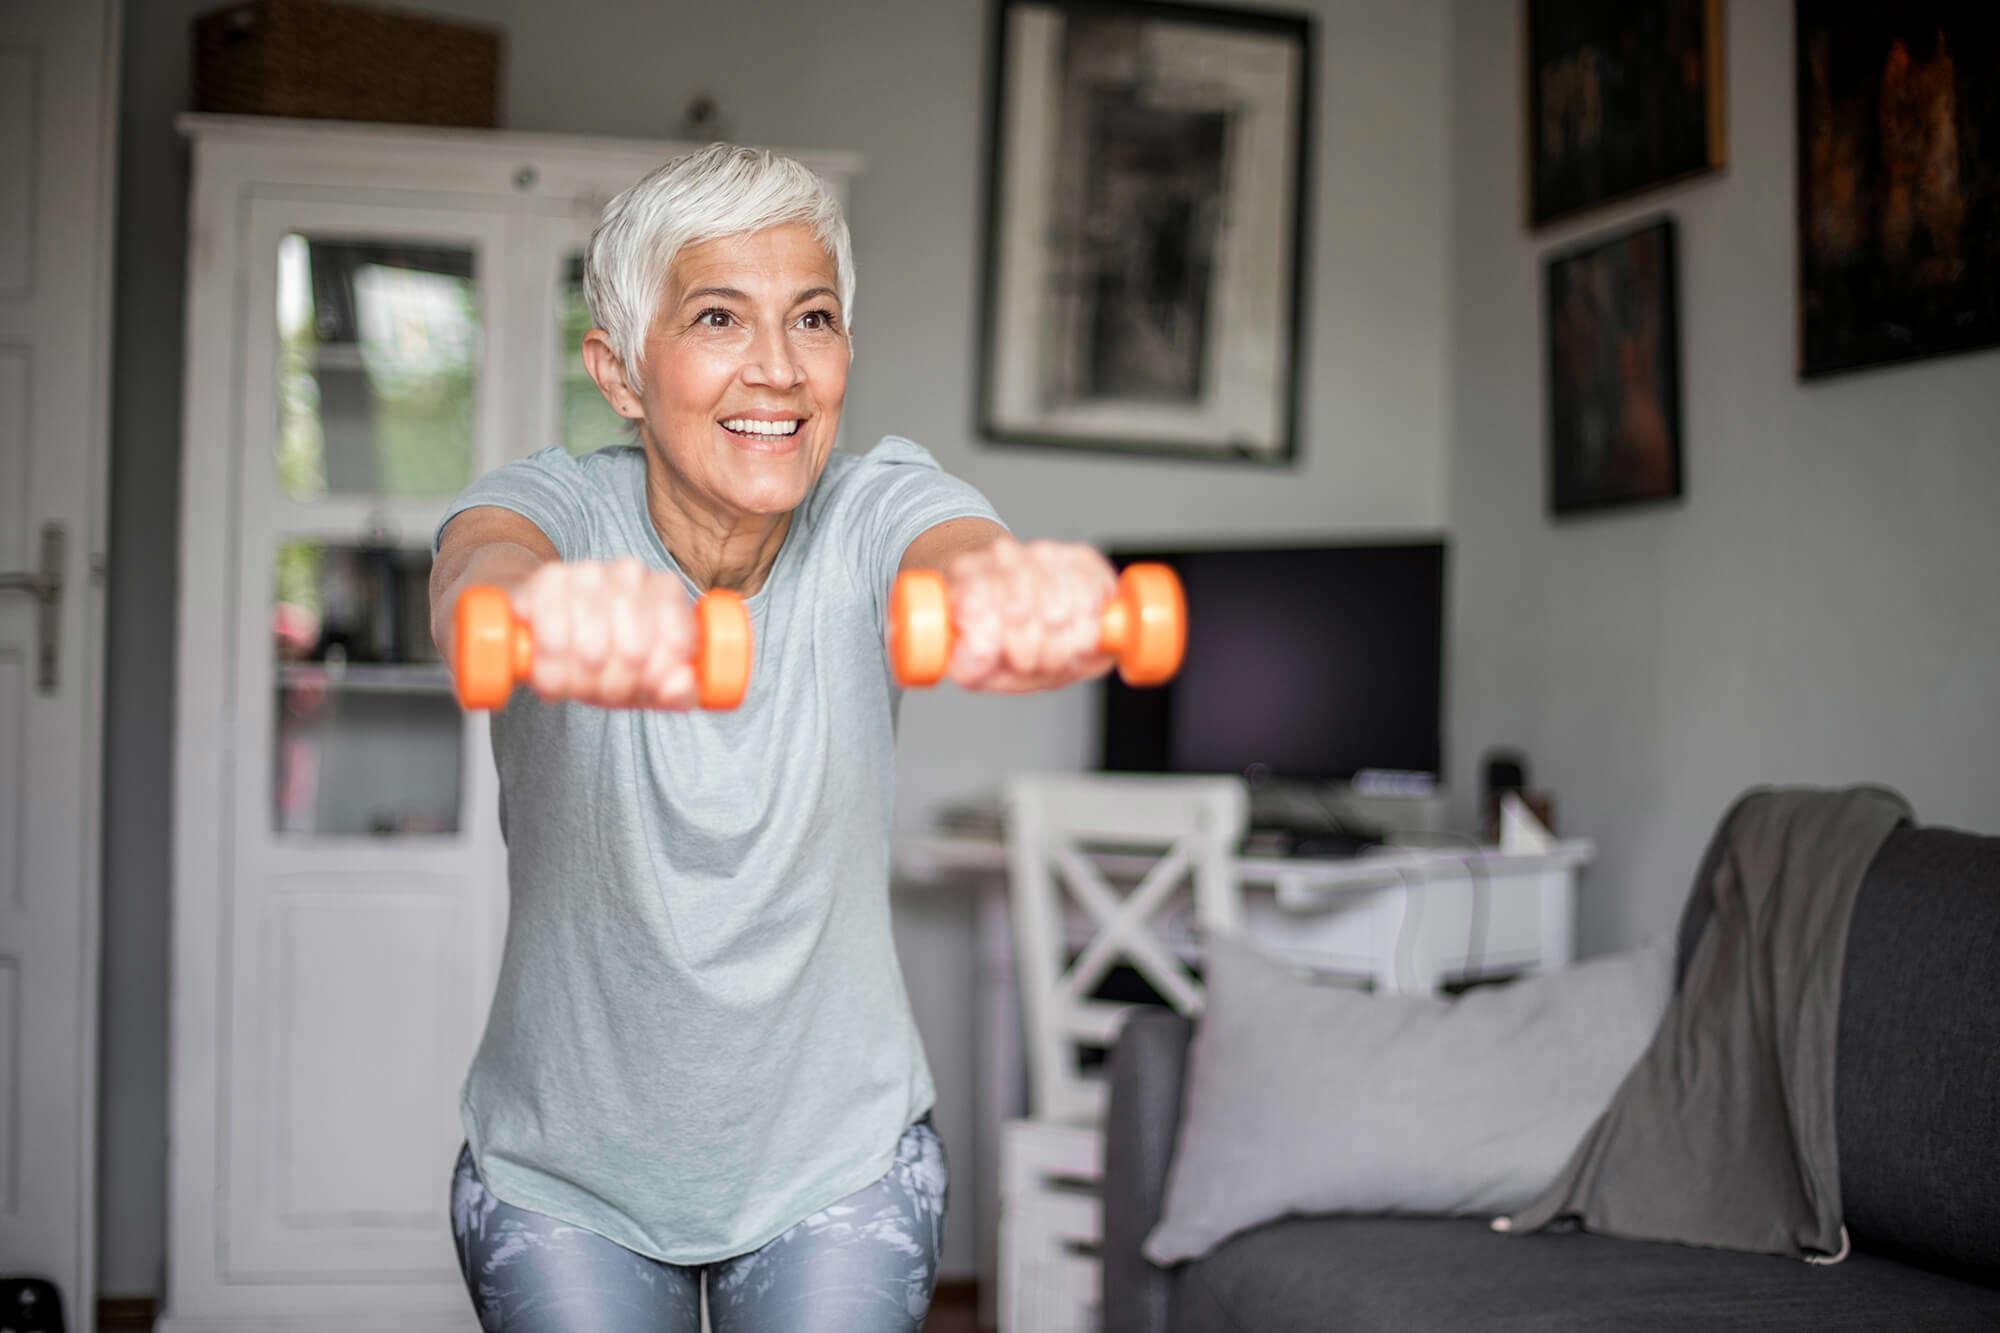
<point>616,635</point>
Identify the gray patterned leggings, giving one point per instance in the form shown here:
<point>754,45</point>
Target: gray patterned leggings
<point>866,1264</point>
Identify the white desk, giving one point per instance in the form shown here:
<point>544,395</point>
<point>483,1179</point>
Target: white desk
<point>1402,918</point>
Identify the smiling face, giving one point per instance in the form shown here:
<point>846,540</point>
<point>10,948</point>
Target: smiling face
<point>745,371</point>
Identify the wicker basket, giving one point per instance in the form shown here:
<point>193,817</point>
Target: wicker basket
<point>338,61</point>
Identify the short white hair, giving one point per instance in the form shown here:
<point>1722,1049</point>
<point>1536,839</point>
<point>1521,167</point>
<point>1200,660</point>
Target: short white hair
<point>721,190</point>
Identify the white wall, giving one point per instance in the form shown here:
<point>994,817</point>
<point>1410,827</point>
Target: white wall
<point>1819,610</point>
<point>902,82</point>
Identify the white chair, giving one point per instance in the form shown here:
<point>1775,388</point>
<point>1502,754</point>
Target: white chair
<point>1073,836</point>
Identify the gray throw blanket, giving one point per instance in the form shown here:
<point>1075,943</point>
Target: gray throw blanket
<point>1723,1133</point>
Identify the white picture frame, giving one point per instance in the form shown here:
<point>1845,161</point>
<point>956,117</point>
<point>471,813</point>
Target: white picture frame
<point>1146,215</point>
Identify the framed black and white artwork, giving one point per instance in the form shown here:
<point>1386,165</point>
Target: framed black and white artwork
<point>1146,202</point>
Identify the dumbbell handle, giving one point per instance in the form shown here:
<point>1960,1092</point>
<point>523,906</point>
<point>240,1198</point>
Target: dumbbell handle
<point>1144,626</point>
<point>495,649</point>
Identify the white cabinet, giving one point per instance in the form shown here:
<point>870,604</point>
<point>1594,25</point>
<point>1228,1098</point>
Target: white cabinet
<point>375,316</point>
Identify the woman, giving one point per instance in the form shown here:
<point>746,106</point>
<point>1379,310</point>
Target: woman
<point>700,1056</point>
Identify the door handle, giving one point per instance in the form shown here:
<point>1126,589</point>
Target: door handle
<point>45,585</point>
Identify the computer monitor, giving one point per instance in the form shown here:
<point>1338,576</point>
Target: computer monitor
<point>1309,663</point>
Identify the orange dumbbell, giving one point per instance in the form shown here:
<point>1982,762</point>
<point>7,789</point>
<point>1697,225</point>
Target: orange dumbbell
<point>1144,626</point>
<point>495,649</point>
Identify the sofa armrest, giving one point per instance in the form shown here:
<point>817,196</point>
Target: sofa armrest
<point>1144,1115</point>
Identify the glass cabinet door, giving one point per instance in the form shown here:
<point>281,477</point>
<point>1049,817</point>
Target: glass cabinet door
<point>373,405</point>
<point>367,737</point>
<point>378,356</point>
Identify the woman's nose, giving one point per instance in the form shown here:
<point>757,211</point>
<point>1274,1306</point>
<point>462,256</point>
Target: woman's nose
<point>773,362</point>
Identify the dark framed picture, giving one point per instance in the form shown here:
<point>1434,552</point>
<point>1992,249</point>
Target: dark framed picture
<point>1146,206</point>
<point>1614,389</point>
<point>1899,181</point>
<point>1621,98</point>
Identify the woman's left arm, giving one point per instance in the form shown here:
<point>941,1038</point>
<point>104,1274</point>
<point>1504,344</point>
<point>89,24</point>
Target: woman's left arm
<point>1028,617</point>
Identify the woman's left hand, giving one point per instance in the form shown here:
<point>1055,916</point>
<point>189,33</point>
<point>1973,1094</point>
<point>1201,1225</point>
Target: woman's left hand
<point>1028,617</point>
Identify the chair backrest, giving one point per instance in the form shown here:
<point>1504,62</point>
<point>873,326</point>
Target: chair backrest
<point>1057,829</point>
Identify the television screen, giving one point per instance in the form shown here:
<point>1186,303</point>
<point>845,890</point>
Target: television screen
<point>1308,663</point>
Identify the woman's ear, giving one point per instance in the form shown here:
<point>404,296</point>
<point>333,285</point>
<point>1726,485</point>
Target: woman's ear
<point>601,359</point>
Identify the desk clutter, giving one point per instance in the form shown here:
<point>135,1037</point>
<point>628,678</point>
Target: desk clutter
<point>1323,844</point>
<point>1317,821</point>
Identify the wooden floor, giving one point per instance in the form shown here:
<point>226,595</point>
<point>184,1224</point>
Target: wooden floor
<point>954,1309</point>
<point>126,1314</point>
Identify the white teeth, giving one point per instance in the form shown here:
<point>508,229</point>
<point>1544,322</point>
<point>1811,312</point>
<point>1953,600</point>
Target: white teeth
<point>745,426</point>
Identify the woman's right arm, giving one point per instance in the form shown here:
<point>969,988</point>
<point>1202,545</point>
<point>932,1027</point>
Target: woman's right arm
<point>489,545</point>
<point>615,635</point>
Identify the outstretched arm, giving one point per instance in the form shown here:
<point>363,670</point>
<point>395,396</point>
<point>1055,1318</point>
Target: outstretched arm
<point>1028,616</point>
<point>616,635</point>
<point>486,545</point>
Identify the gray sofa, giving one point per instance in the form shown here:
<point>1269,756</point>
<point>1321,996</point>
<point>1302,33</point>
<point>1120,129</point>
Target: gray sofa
<point>1917,1100</point>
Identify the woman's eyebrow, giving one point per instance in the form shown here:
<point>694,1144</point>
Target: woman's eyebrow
<point>732,294</point>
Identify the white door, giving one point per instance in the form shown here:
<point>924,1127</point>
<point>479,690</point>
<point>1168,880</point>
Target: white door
<point>58,90</point>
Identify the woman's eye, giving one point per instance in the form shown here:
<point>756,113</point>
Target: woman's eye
<point>818,321</point>
<point>714,319</point>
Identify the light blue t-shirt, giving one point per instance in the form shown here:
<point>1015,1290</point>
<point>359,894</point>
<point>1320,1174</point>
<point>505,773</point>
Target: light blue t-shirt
<point>700,1034</point>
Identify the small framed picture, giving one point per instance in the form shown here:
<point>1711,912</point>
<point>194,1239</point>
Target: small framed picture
<point>1614,392</point>
<point>1621,98</point>
<point>1899,181</point>
<point>1147,186</point>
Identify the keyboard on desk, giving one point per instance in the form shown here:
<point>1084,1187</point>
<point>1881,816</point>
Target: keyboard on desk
<point>1317,844</point>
